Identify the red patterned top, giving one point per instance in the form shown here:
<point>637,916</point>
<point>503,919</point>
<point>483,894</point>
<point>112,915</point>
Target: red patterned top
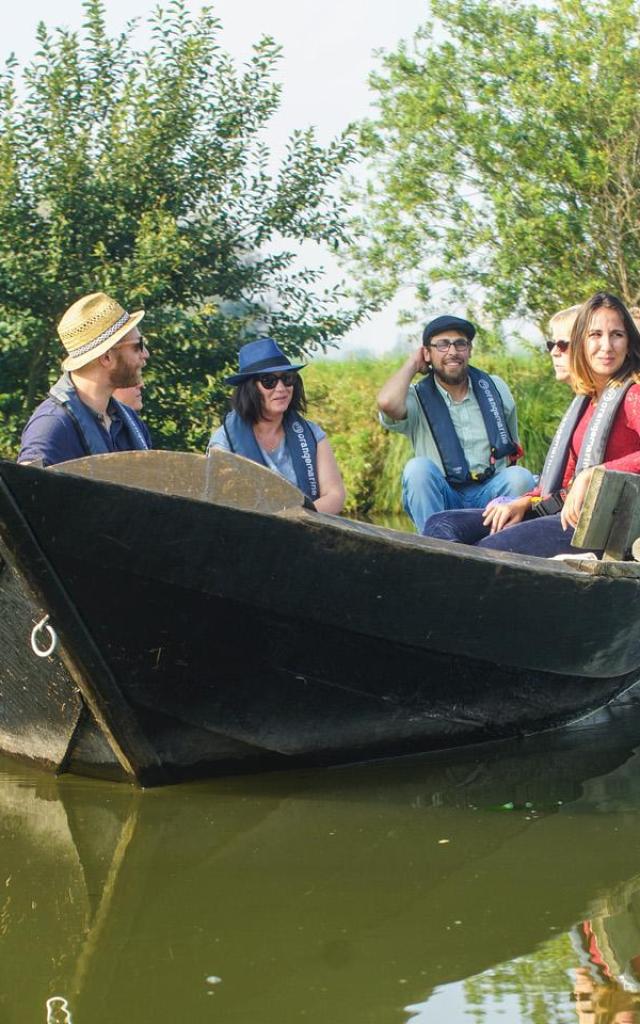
<point>623,446</point>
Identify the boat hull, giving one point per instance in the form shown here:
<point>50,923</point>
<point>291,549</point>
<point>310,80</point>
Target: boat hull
<point>238,640</point>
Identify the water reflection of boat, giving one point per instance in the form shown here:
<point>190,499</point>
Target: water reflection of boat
<point>342,895</point>
<point>209,622</point>
<point>610,935</point>
<point>51,891</point>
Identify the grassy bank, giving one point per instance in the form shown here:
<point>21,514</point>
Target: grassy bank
<point>342,399</point>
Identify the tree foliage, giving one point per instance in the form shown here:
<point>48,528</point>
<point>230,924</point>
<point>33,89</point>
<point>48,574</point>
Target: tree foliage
<point>505,155</point>
<point>145,174</point>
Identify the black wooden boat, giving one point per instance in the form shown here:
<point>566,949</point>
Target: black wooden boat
<point>207,621</point>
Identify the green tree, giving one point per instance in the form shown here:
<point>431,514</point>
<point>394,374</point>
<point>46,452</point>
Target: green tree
<point>505,156</point>
<point>145,174</point>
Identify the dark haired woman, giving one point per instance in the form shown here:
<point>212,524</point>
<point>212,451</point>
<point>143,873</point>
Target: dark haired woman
<point>265,424</point>
<point>600,428</point>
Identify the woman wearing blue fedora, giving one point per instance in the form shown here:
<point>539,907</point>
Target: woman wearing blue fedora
<point>265,424</point>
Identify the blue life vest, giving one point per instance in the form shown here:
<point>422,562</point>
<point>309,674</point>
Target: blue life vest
<point>594,442</point>
<point>300,441</point>
<point>501,443</point>
<point>91,435</point>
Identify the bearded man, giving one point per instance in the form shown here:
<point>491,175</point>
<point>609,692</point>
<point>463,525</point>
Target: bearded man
<point>461,422</point>
<point>80,416</point>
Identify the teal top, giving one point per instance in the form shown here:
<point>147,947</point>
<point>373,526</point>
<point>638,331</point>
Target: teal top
<point>468,423</point>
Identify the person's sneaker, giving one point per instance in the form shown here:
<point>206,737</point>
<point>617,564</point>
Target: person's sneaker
<point>587,556</point>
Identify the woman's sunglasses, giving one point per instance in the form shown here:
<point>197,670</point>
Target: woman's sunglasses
<point>270,380</point>
<point>562,345</point>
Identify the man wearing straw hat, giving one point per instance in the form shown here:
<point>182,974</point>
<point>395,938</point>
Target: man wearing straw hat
<point>80,416</point>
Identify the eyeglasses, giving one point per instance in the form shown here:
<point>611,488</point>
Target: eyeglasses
<point>270,380</point>
<point>562,345</point>
<point>459,344</point>
<point>140,344</point>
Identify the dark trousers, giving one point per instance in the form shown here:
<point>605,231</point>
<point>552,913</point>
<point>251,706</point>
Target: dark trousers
<point>541,535</point>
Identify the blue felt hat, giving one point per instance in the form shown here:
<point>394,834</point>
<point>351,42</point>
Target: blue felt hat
<point>448,323</point>
<point>261,356</point>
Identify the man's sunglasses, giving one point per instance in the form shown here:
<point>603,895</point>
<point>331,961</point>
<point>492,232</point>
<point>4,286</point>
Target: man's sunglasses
<point>270,380</point>
<point>140,344</point>
<point>562,345</point>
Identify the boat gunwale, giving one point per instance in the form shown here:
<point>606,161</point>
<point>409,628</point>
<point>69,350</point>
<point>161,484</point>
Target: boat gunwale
<point>388,535</point>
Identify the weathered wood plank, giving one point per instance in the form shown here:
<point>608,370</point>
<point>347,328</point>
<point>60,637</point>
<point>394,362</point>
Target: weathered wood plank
<point>595,567</point>
<point>79,653</point>
<point>221,478</point>
<point>610,517</point>
<point>625,525</point>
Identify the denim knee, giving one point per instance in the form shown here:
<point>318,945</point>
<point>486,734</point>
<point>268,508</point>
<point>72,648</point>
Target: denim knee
<point>517,480</point>
<point>420,470</point>
<point>525,480</point>
<point>424,490</point>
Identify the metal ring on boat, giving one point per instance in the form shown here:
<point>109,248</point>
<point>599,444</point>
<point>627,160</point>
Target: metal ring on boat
<point>35,635</point>
<point>58,1011</point>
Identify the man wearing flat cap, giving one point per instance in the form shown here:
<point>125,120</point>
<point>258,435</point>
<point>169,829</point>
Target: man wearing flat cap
<point>461,423</point>
<point>105,351</point>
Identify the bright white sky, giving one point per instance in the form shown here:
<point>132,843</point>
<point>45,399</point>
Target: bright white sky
<point>328,54</point>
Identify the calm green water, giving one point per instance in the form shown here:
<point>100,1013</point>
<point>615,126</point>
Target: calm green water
<point>421,890</point>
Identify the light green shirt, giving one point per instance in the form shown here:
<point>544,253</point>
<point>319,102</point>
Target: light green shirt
<point>467,421</point>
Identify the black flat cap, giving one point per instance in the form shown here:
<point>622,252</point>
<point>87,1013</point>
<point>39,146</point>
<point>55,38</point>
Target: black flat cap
<point>448,323</point>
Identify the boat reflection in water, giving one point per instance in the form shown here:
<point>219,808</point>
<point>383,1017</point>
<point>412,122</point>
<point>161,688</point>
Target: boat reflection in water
<point>607,982</point>
<point>602,996</point>
<point>366,894</point>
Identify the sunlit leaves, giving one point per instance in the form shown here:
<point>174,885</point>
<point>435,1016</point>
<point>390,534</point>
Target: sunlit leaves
<point>505,157</point>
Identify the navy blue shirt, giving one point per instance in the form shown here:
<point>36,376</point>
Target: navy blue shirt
<point>52,435</point>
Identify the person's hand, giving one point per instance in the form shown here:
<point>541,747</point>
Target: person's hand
<point>507,513</point>
<point>418,361</point>
<point>575,498</point>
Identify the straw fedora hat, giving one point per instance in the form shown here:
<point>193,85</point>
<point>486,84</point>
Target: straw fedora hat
<point>93,325</point>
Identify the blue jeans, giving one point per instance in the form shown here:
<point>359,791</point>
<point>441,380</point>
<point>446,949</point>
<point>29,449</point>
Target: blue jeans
<point>425,490</point>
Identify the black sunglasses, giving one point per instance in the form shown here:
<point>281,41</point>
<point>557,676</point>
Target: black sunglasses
<point>140,344</point>
<point>269,380</point>
<point>562,345</point>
